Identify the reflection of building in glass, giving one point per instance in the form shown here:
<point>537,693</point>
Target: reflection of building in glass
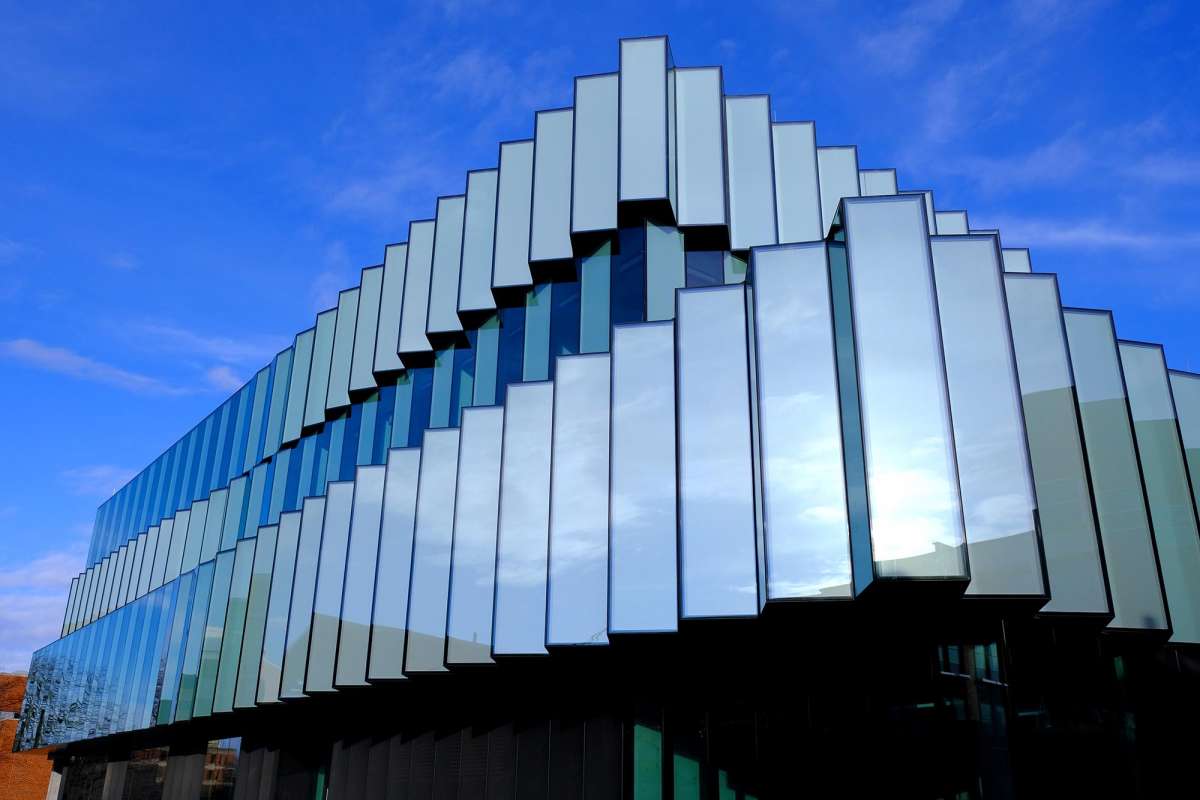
<point>678,457</point>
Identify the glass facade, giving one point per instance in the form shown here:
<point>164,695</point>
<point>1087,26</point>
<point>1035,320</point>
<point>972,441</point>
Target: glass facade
<point>666,374</point>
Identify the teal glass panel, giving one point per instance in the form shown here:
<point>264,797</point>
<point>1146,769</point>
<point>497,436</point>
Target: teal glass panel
<point>275,629</point>
<point>318,373</point>
<point>1129,552</point>
<point>256,617</point>
<point>595,289</point>
<point>536,358</point>
<point>391,305</point>
<point>257,418</point>
<point>293,420</point>
<point>479,231</point>
<point>299,625</point>
<point>157,576</point>
<point>358,594</point>
<point>734,268</point>
<point>173,657</point>
<point>234,628</point>
<point>577,592</point>
<point>594,168</point>
<point>751,177</point>
<point>665,271</point>
<point>473,558</point>
<point>1168,490</point>
<point>550,216</point>
<point>338,395</point>
<point>510,265</point>
<point>280,389</point>
<point>144,579</point>
<point>362,364</point>
<point>430,585</point>
<point>393,568</point>
<point>197,523</point>
<point>190,668</point>
<point>1070,537</point>
<point>417,276</point>
<point>214,629</point>
<point>327,601</point>
<point>213,522</point>
<point>1185,386</point>
<point>235,512</point>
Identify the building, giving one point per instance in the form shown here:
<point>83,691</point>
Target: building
<point>23,775</point>
<point>678,457</point>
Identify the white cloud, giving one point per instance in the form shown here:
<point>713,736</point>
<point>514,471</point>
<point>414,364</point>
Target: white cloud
<point>1083,234</point>
<point>223,379</point>
<point>97,480</point>
<point>899,44</point>
<point>62,361</point>
<point>122,261</point>
<point>243,350</point>
<point>33,596</point>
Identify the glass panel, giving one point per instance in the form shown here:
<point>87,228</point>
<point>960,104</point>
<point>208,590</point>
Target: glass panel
<point>173,655</point>
<point>308,555</point>
<point>212,524</point>
<point>594,199</point>
<point>520,614</point>
<point>701,148</point>
<point>751,174</point>
<point>643,119</point>
<point>358,593</point>
<point>1186,388</point>
<point>362,375</point>
<point>391,304</point>
<point>262,382</point>
<point>473,561</point>
<point>837,169</point>
<point>160,554</point>
<point>447,258</point>
<point>1061,484</point>
<point>511,265</point>
<point>417,273</point>
<point>536,359</point>
<point>190,669</point>
<point>210,653</point>
<point>392,573</point>
<point>912,477</point>
<point>1016,260</point>
<point>927,198</point>
<point>144,581</point>
<point>280,385</point>
<point>327,603</point>
<point>275,632</point>
<point>318,373</point>
<point>665,271</point>
<point>479,230</point>
<point>293,419</point>
<point>1167,488</point>
<point>235,513</point>
<point>876,182</point>
<point>951,223</point>
<point>235,626</point>
<point>1116,479</point>
<point>595,280</point>
<point>550,218</point>
<point>343,350</point>
<point>195,537</point>
<point>797,191</point>
<point>717,530</point>
<point>118,575</point>
<point>578,553</point>
<point>256,617</point>
<point>999,506</point>
<point>431,553</point>
<point>807,531</point>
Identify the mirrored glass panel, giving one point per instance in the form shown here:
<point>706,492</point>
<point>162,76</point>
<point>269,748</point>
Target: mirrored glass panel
<point>214,630</point>
<point>278,605</point>
<point>807,530</point>
<point>717,531</point>
<point>550,233</point>
<point>293,419</point>
<point>520,610</point>
<point>837,170</point>
<point>327,602</point>
<point>235,512</point>
<point>362,365</point>
<point>417,273</point>
<point>447,258</point>
<point>797,190</point>
<point>391,305</point>
<point>511,258</point>
<point>235,626</point>
<point>1186,388</point>
<point>473,558</point>
<point>197,523</point>
<point>951,223</point>
<point>256,617</point>
<point>392,572</point>
<point>1129,553</point>
<point>665,270</point>
<point>1070,538</point>
<point>1167,488</point>
<point>999,506</point>
<point>429,594</point>
<point>213,522</point>
<point>343,350</point>
<point>1016,260</point>
<point>318,374</point>
<point>190,668</point>
<point>700,148</point>
<point>165,544</point>
<point>172,662</point>
<point>146,578</point>
<point>876,182</point>
<point>299,626</point>
<point>479,231</point>
<point>643,119</point>
<point>358,593</point>
<point>578,557</point>
<point>751,172</point>
<point>908,443</point>
<point>594,173</point>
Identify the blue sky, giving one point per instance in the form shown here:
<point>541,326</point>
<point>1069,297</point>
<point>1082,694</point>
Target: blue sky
<point>183,186</point>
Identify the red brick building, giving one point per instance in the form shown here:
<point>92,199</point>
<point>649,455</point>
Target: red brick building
<point>23,776</point>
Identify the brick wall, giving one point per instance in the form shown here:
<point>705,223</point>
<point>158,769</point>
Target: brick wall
<point>23,776</point>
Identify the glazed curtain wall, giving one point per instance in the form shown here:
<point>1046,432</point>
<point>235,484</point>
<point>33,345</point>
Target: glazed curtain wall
<point>668,360</point>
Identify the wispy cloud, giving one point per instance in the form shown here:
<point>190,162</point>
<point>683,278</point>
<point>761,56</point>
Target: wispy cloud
<point>223,379</point>
<point>900,42</point>
<point>336,275</point>
<point>62,361</point>
<point>1084,234</point>
<point>122,261</point>
<point>97,480</point>
<point>242,350</point>
<point>11,250</point>
<point>33,595</point>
